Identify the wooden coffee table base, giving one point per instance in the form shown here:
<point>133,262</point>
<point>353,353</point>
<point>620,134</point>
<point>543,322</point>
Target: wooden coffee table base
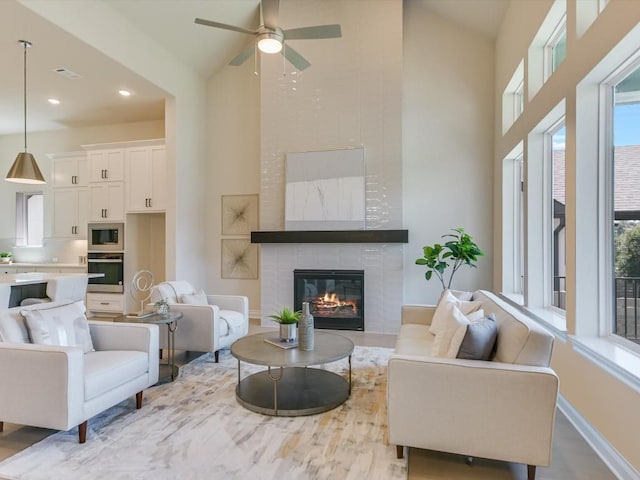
<point>292,391</point>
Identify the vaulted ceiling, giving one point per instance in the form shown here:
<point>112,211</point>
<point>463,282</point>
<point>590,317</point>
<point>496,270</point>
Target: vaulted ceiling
<point>91,99</point>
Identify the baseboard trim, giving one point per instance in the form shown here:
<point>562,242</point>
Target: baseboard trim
<point>609,455</point>
<point>255,314</point>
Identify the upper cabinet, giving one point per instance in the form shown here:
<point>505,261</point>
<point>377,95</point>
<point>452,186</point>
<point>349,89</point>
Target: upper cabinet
<point>69,169</point>
<point>146,179</point>
<point>106,165</point>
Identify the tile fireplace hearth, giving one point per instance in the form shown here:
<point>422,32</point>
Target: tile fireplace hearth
<point>336,297</point>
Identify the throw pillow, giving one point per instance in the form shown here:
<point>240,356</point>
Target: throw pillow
<point>479,339</point>
<point>448,340</point>
<point>444,310</point>
<point>196,298</point>
<point>65,326</point>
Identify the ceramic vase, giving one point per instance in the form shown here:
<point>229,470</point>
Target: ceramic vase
<point>305,325</point>
<point>288,332</point>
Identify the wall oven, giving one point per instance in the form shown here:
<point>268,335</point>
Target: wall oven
<point>105,237</point>
<point>111,265</point>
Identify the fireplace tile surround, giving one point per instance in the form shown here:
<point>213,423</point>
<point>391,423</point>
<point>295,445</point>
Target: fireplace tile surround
<point>382,265</point>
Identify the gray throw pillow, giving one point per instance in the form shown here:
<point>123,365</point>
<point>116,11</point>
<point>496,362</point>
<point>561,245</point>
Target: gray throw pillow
<point>480,339</point>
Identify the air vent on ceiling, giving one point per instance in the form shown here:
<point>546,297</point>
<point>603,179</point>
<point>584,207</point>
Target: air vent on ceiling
<point>67,73</point>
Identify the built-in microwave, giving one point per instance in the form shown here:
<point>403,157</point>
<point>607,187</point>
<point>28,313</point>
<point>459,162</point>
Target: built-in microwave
<point>105,237</point>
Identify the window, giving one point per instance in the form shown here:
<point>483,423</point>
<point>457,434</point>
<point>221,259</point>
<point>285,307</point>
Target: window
<point>556,48</point>
<point>624,199</point>
<point>29,218</point>
<point>513,224</point>
<point>513,98</point>
<point>558,219</point>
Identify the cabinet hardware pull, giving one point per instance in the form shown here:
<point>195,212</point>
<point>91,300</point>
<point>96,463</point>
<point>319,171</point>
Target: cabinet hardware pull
<point>149,203</point>
<point>106,174</point>
<point>104,303</point>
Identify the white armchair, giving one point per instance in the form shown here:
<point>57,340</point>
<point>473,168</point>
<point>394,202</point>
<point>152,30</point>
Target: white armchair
<point>60,387</point>
<point>210,322</point>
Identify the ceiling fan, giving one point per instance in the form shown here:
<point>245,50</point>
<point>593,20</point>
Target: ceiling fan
<point>270,38</point>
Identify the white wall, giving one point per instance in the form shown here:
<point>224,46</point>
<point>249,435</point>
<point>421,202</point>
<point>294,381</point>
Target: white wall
<point>185,116</point>
<point>447,123</point>
<point>600,398</point>
<point>233,165</point>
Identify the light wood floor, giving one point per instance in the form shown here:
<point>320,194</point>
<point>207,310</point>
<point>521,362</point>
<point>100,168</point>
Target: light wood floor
<point>573,459</point>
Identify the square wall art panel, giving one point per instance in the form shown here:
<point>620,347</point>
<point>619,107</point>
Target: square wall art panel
<point>325,190</point>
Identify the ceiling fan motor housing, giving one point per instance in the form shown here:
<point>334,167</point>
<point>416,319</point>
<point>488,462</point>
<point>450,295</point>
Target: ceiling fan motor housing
<point>270,40</point>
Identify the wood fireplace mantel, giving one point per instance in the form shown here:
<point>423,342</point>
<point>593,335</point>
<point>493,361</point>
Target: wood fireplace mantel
<point>331,236</point>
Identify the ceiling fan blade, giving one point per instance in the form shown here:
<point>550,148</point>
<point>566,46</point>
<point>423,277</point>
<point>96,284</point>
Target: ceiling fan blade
<point>211,23</point>
<point>295,58</point>
<point>319,31</point>
<point>243,56</point>
<point>270,10</point>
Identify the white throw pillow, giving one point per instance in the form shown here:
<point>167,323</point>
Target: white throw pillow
<point>196,298</point>
<point>65,326</point>
<point>444,311</point>
<point>448,340</point>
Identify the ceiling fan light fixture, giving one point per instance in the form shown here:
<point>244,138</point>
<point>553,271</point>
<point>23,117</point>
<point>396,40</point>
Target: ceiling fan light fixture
<point>25,168</point>
<point>270,42</point>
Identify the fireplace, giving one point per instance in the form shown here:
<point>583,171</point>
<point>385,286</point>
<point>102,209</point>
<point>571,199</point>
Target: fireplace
<point>336,297</point>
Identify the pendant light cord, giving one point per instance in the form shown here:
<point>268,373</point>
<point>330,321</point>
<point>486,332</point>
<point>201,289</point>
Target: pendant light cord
<point>25,45</point>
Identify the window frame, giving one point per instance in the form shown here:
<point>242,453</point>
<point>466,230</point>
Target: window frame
<point>559,31</point>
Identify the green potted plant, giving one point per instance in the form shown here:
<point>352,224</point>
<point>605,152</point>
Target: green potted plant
<point>288,320</point>
<point>5,257</point>
<point>458,251</point>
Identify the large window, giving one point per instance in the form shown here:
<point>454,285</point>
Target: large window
<point>556,48</point>
<point>624,174</point>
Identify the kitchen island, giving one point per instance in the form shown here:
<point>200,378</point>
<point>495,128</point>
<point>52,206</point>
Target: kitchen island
<point>15,287</point>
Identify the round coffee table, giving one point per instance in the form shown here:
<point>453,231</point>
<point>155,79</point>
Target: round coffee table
<point>289,388</point>
<point>168,371</point>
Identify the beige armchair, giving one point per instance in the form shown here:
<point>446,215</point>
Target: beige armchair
<point>210,322</point>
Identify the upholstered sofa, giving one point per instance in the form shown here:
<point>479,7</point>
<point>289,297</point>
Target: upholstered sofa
<point>59,387</point>
<point>209,322</point>
<point>502,408</point>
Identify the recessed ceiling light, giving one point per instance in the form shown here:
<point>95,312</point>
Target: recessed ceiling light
<point>53,101</point>
<point>124,93</point>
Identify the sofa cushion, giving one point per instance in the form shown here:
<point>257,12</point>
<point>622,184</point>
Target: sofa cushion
<point>106,370</point>
<point>443,314</point>
<point>230,322</point>
<point>479,339</point>
<point>448,340</point>
<point>64,325</point>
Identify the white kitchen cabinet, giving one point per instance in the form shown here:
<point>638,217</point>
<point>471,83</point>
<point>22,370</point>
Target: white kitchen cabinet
<point>146,179</point>
<point>70,169</point>
<point>70,212</point>
<point>106,165</point>
<point>106,202</point>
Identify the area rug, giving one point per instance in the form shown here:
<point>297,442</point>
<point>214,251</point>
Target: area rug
<point>194,428</point>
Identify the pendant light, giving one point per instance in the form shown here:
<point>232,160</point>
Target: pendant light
<point>24,168</point>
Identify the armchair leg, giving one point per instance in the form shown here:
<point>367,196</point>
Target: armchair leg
<point>82,432</point>
<point>216,355</point>
<point>400,451</point>
<point>139,400</point>
<point>531,472</point>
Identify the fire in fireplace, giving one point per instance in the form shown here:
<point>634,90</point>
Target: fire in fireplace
<point>336,297</point>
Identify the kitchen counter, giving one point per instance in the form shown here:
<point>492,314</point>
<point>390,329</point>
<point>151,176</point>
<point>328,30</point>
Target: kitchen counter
<point>43,265</point>
<point>30,278</point>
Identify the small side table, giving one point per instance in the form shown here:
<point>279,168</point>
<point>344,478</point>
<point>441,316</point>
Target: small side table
<point>171,321</point>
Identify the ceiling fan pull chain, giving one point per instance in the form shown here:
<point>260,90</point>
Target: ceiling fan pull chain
<point>284,60</point>
<point>255,59</point>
